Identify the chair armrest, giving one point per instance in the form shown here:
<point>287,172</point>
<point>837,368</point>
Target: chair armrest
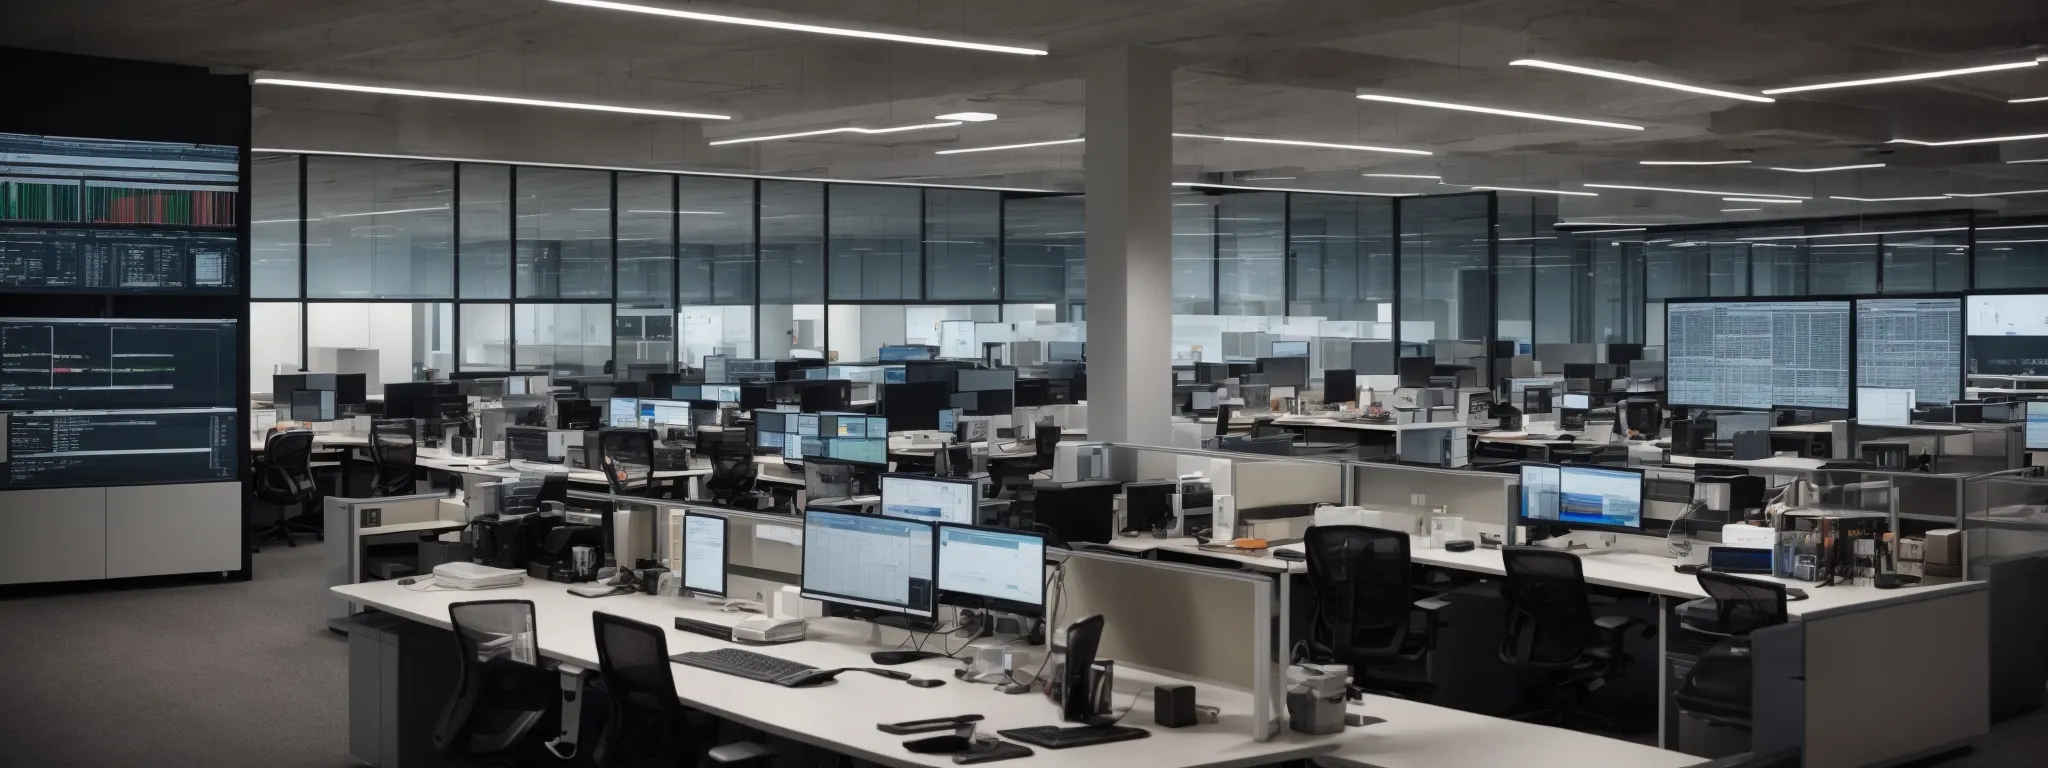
<point>1433,604</point>
<point>726,754</point>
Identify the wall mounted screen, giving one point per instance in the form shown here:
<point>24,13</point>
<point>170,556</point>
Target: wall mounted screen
<point>104,216</point>
<point>104,448</point>
<point>2008,334</point>
<point>48,364</point>
<point>1914,344</point>
<point>1758,354</point>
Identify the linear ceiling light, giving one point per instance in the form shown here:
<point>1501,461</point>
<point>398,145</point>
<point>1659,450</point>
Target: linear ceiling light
<point>296,83</point>
<point>1905,78</point>
<point>1760,200</point>
<point>2008,226</point>
<point>1270,178</point>
<point>1987,140</point>
<point>2028,160</point>
<point>1538,191</point>
<point>1605,231</point>
<point>846,129</point>
<point>1205,185</point>
<point>1857,234</point>
<point>728,18</point>
<point>1831,168</point>
<point>1981,242</point>
<point>1887,199</point>
<point>1636,79</point>
<point>1008,146</point>
<point>1294,143</point>
<point>1692,191</point>
<point>1738,210</point>
<point>1403,176</point>
<point>1493,111</point>
<point>2000,194</point>
<point>1692,162</point>
<point>1589,224</point>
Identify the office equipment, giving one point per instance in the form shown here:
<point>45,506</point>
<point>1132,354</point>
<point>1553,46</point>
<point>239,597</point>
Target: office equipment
<point>902,353</point>
<point>504,692</point>
<point>1066,351</point>
<point>1740,559</point>
<point>1077,512</point>
<point>1416,371</point>
<point>402,400</point>
<point>1084,690</point>
<point>929,499</point>
<point>706,550</point>
<point>973,380</point>
<point>1366,613</point>
<point>991,569</point>
<point>1892,407</point>
<point>1290,349</point>
<point>1553,639</point>
<point>1758,354</point>
<point>751,666</point>
<point>624,413</point>
<point>88,363</point>
<point>1577,401</point>
<point>873,563</point>
<point>1590,498</point>
<point>1729,424</point>
<point>1285,371</point>
<point>1055,737</point>
<point>672,413</point>
<point>1148,505</point>
<point>1911,344</point>
<point>529,444</point>
<point>1340,386</point>
<point>1173,706</point>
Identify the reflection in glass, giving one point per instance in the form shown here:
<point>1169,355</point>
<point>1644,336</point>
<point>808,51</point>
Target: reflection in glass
<point>274,228</point>
<point>406,338</point>
<point>563,339</point>
<point>274,341</point>
<point>1343,252</point>
<point>486,258</point>
<point>486,337</point>
<point>1194,253</point>
<point>961,230</point>
<point>565,230</point>
<point>1446,299</point>
<point>715,255</point>
<point>792,242</point>
<point>1251,249</point>
<point>716,330</point>
<point>876,233</point>
<point>379,228</point>
<point>1044,250</point>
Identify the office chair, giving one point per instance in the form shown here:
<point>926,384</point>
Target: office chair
<point>1274,445</point>
<point>393,453</point>
<point>1718,688</point>
<point>1014,475</point>
<point>1366,614</point>
<point>1552,637</point>
<point>649,727</point>
<point>628,457</point>
<point>734,475</point>
<point>828,484</point>
<point>504,700</point>
<point>284,478</point>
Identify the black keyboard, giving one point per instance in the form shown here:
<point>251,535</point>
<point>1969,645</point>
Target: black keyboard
<point>705,628</point>
<point>747,664</point>
<point>1055,737</point>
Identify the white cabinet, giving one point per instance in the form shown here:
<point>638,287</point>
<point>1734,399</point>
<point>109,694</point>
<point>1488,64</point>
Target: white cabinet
<point>155,530</point>
<point>54,535</point>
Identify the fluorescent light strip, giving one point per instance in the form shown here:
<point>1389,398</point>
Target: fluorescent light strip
<point>1904,78</point>
<point>1990,140</point>
<point>813,28</point>
<point>1589,224</point>
<point>1402,176</point>
<point>1294,143</point>
<point>1739,210</point>
<point>1690,191</point>
<point>968,117</point>
<point>1271,178</point>
<point>1636,79</point>
<point>1692,162</point>
<point>1204,185</point>
<point>385,213</point>
<point>1831,169</point>
<point>1007,146</point>
<point>2008,242</point>
<point>1604,231</point>
<point>847,129</point>
<point>260,80</point>
<point>1981,229</point>
<point>669,171</point>
<point>1493,111</point>
<point>1772,200</point>
<point>1887,199</point>
<point>2001,194</point>
<point>1537,191</point>
<point>1857,234</point>
<point>2028,160</point>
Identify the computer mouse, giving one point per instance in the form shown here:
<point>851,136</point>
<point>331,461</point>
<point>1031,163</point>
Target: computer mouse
<point>813,677</point>
<point>926,683</point>
<point>407,582</point>
<point>1794,593</point>
<point>1687,568</point>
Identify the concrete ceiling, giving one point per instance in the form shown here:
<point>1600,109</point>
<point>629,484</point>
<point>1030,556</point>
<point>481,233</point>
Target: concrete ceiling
<point>1258,68</point>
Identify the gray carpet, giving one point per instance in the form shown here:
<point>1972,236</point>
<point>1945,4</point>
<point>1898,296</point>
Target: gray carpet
<point>245,674</point>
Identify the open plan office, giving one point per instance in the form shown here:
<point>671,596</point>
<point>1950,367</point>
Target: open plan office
<point>609,465</point>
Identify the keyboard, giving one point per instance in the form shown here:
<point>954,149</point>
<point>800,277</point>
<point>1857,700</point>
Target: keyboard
<point>705,628</point>
<point>747,664</point>
<point>1055,737</point>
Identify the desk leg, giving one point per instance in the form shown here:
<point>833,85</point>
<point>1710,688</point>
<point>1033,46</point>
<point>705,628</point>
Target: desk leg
<point>1667,731</point>
<point>564,743</point>
<point>348,461</point>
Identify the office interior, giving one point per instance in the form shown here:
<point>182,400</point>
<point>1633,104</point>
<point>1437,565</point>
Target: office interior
<point>1068,394</point>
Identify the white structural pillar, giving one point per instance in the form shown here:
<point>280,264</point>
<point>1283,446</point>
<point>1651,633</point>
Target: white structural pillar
<point>1129,165</point>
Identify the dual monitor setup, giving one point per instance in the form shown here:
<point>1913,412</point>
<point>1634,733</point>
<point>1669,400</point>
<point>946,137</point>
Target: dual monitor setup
<point>854,438</point>
<point>1582,498</point>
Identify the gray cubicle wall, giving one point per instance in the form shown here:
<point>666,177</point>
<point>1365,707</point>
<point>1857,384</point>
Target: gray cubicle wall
<point>1484,498</point>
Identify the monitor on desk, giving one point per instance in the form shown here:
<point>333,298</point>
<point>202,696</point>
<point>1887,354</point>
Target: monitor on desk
<point>706,550</point>
<point>872,451</point>
<point>869,562</point>
<point>686,392</point>
<point>1576,401</point>
<point>1581,497</point>
<point>312,405</point>
<point>915,406</point>
<point>1339,386</point>
<point>1416,371</point>
<point>1290,349</point>
<point>623,413</point>
<point>527,444</point>
<point>674,413</point>
<point>971,380</point>
<point>1067,351</point>
<point>930,499</point>
<point>994,569</point>
<point>724,393</point>
<point>352,389</point>
<point>1877,405</point>
<point>2037,425</point>
<point>1285,371</point>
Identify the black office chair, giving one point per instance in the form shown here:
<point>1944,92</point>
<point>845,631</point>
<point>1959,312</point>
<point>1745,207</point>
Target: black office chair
<point>505,701</point>
<point>1046,439</point>
<point>955,461</point>
<point>649,727</point>
<point>1718,688</point>
<point>734,476</point>
<point>1553,639</point>
<point>1366,614</point>
<point>628,457</point>
<point>394,454</point>
<point>284,478</point>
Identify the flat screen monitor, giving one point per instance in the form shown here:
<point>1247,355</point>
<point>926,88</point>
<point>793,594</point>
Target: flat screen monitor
<point>106,216</point>
<point>997,569</point>
<point>1604,498</point>
<point>674,413</point>
<point>867,561</point>
<point>1069,351</point>
<point>1758,354</point>
<point>1536,400</point>
<point>127,447</point>
<point>859,450</point>
<point>915,406</point>
<point>2037,425</point>
<point>623,413</point>
<point>715,370</point>
<point>898,354</point>
<point>1415,371</point>
<point>1285,371</point>
<point>81,363</point>
<point>973,380</point>
<point>687,392</point>
<point>1911,344</point>
<point>1576,402</point>
<point>705,553</point>
<point>931,499</point>
<point>726,393</point>
<point>402,400</point>
<point>1211,373</point>
<point>1290,349</point>
<point>1340,386</point>
<point>312,405</point>
<point>526,444</point>
<point>354,389</point>
<point>1875,405</point>
<point>773,421</point>
<point>807,424</point>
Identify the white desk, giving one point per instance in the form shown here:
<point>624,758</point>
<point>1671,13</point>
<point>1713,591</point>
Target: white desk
<point>1792,464</point>
<point>841,716</point>
<point>440,459</point>
<point>1417,735</point>
<point>322,441</point>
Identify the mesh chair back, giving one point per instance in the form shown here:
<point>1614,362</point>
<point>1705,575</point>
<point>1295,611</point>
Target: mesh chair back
<point>393,452</point>
<point>955,461</point>
<point>646,726</point>
<point>287,476</point>
<point>502,692</point>
<point>628,456</point>
<point>1744,605</point>
<point>1550,619</point>
<point>1360,577</point>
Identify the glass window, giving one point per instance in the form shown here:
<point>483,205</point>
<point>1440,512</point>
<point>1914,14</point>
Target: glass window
<point>646,235</point>
<point>563,339</point>
<point>857,332</point>
<point>486,337</point>
<point>876,232</point>
<point>716,330</point>
<point>961,233</point>
<point>792,242</point>
<point>407,338</point>
<point>1926,261</point>
<point>715,252</point>
<point>486,221</point>
<point>1194,253</point>
<point>1446,299</point>
<point>1251,249</point>
<point>1525,237</point>
<point>1777,267</point>
<point>1841,265</point>
<point>2012,258</point>
<point>565,233</point>
<point>274,341</point>
<point>1045,239</point>
<point>1343,253</point>
<point>786,329</point>
<point>274,228</point>
<point>379,228</point>
<point>1615,303</point>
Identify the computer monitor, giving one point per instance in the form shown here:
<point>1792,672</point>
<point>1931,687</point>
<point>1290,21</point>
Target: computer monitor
<point>686,392</point>
<point>998,380</point>
<point>401,398</point>
<point>930,499</point>
<point>1148,505</point>
<point>873,451</point>
<point>352,388</point>
<point>1211,373</point>
<point>624,413</point>
<point>1340,385</point>
<point>990,568</point>
<point>2037,425</point>
<point>870,562</point>
<point>1644,417</point>
<point>706,550</point>
<point>724,393</point>
<point>897,354</point>
<point>1415,371</point>
<point>1577,402</point>
<point>1069,351</point>
<point>1876,405</point>
<point>674,413</point>
<point>1581,497</point>
<point>1536,400</point>
<point>1290,349</point>
<point>915,406</point>
<point>526,444</point>
<point>1728,425</point>
<point>1285,371</point>
<point>312,405</point>
<point>774,421</point>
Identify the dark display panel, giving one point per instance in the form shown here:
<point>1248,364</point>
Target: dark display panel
<point>105,216</point>
<point>95,364</point>
<point>106,448</point>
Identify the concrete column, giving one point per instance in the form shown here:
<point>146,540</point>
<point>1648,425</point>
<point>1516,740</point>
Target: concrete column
<point>1129,164</point>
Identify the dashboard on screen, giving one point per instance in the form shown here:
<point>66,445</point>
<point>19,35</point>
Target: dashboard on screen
<point>1758,354</point>
<point>82,215</point>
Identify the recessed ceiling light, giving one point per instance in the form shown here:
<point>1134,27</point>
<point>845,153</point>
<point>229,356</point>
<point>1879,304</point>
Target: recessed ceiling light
<point>1761,200</point>
<point>1887,199</point>
<point>1008,146</point>
<point>1987,140</point>
<point>1402,176</point>
<point>968,117</point>
<point>1636,79</point>
<point>2000,194</point>
<point>1537,191</point>
<point>1689,191</point>
<point>1739,210</point>
<point>262,79</point>
<point>1204,185</point>
<point>1905,78</point>
<point>728,18</point>
<point>1831,168</point>
<point>827,131</point>
<point>1692,162</point>
<point>1857,234</point>
<point>1294,143</point>
<point>1493,111</point>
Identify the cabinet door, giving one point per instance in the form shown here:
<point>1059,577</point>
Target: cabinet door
<point>154,530</point>
<point>53,535</point>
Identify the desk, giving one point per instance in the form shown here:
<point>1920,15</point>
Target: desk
<point>841,717</point>
<point>1777,464</point>
<point>1395,433</point>
<point>440,459</point>
<point>1417,735</point>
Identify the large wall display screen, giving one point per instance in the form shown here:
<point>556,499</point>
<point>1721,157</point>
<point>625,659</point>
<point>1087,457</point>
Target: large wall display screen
<point>98,363</point>
<point>104,448</point>
<point>1758,354</point>
<point>1914,344</point>
<point>2008,334</point>
<point>104,216</point>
